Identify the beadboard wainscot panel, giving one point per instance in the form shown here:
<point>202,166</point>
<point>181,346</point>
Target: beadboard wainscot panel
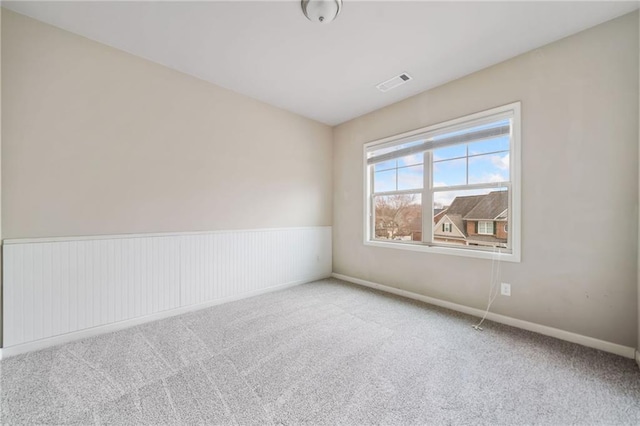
<point>221,265</point>
<point>60,286</point>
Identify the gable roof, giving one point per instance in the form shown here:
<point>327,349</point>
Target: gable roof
<point>456,221</point>
<point>489,207</point>
<point>459,207</point>
<point>438,214</point>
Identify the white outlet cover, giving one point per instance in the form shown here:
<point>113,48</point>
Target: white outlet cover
<point>505,289</point>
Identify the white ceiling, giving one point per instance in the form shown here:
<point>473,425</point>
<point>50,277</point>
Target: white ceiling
<point>269,51</point>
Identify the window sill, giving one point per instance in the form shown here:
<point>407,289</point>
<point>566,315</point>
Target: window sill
<point>477,254</point>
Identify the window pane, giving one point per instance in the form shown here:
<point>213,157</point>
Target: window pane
<point>411,160</point>
<point>384,181</point>
<point>449,152</point>
<point>385,165</point>
<point>489,168</point>
<point>490,145</point>
<point>410,177</point>
<point>450,172</point>
<point>398,217</point>
<point>478,217</point>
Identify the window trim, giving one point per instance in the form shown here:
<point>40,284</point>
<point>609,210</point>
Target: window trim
<point>515,167</point>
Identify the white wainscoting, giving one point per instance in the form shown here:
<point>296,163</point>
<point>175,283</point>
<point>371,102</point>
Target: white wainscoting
<point>53,287</point>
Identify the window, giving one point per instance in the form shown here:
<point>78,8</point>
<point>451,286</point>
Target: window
<point>485,228</point>
<point>462,175</point>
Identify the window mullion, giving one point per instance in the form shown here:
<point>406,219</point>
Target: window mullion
<point>372,207</point>
<point>467,163</point>
<point>396,169</point>
<point>489,185</point>
<point>427,198</point>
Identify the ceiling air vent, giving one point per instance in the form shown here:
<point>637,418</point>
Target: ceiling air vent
<point>394,82</point>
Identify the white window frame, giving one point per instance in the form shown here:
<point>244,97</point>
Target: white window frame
<point>513,111</point>
<point>446,227</point>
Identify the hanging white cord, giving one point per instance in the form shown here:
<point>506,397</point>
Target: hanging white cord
<point>495,278</point>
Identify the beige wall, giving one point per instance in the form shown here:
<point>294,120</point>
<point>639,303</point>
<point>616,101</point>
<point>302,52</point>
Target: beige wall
<point>97,141</point>
<point>579,187</point>
<point>1,292</point>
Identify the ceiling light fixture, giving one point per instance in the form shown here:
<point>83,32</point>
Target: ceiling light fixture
<point>322,11</point>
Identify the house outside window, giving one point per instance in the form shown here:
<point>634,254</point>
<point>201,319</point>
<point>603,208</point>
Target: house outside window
<point>449,188</point>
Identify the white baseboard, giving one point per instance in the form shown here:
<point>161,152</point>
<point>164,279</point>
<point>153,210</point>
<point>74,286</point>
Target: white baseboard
<point>108,328</point>
<point>638,357</point>
<point>625,351</point>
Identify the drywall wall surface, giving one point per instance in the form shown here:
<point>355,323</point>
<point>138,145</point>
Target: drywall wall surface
<point>1,253</point>
<point>97,141</point>
<point>579,187</point>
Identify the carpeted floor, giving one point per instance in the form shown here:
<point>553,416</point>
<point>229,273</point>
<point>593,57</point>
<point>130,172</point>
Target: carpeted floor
<point>320,353</point>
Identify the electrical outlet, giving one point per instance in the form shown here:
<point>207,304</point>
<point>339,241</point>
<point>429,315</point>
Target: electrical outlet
<point>505,289</point>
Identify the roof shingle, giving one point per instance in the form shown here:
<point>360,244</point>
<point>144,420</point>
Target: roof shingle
<point>489,207</point>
